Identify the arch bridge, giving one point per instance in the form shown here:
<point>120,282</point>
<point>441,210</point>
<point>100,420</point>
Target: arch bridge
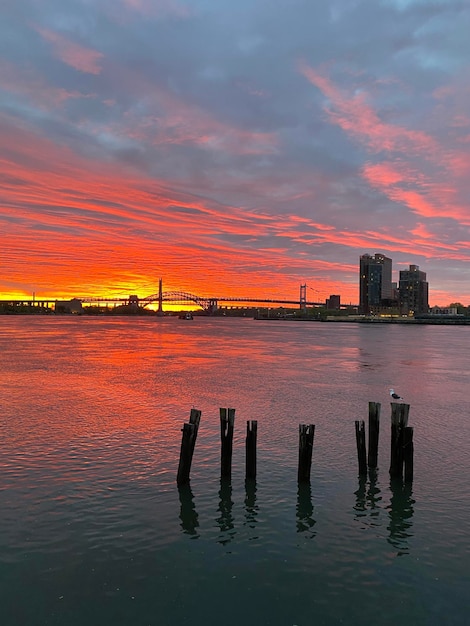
<point>185,298</point>
<point>180,297</point>
<point>209,304</point>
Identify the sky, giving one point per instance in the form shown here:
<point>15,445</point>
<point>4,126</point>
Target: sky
<point>233,148</point>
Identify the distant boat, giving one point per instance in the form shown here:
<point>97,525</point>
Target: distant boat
<point>186,316</point>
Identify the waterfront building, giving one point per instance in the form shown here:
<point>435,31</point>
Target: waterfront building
<point>333,303</point>
<point>450,311</point>
<point>375,282</point>
<point>413,292</point>
<point>73,306</point>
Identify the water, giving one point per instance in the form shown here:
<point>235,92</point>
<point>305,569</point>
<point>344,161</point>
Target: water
<point>94,531</point>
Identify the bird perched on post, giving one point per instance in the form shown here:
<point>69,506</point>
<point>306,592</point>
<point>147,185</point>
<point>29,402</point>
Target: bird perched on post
<point>394,395</point>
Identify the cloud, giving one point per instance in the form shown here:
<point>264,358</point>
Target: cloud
<point>27,84</point>
<point>355,116</point>
<point>406,178</point>
<point>158,8</point>
<point>77,56</point>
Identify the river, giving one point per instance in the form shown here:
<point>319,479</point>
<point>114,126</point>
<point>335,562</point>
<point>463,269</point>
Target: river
<point>94,531</point>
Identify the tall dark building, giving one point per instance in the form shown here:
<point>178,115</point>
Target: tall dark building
<point>333,302</point>
<point>413,290</point>
<point>375,282</point>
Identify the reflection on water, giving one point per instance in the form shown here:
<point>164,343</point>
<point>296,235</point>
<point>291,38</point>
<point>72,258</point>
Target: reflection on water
<point>400,513</point>
<point>368,498</point>
<point>188,513</point>
<point>225,519</point>
<point>367,510</point>
<point>305,520</point>
<point>189,517</point>
<point>360,507</point>
<point>251,508</point>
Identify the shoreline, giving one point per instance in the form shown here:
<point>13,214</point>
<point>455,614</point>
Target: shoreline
<point>465,321</point>
<point>413,321</point>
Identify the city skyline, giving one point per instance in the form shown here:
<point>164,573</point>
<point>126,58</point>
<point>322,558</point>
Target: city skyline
<point>233,149</point>
<point>378,293</point>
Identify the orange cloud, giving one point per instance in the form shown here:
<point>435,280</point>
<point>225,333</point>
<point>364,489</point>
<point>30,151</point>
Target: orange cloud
<point>75,226</point>
<point>96,228</point>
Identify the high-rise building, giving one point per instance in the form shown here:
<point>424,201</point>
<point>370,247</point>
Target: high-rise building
<point>413,290</point>
<point>375,282</point>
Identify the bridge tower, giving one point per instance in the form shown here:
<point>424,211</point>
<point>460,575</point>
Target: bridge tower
<point>213,305</point>
<point>303,297</point>
<point>160,298</point>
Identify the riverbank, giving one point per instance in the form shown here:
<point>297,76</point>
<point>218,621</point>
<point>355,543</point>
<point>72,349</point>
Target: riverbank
<point>434,320</point>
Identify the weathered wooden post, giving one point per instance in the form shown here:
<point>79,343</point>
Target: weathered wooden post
<point>250,447</point>
<point>374,423</point>
<point>227,420</point>
<point>187,446</point>
<point>400,413</point>
<point>408,450</point>
<point>361,447</point>
<point>306,435</point>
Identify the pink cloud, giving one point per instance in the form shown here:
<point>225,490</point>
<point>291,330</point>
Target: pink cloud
<point>420,174</point>
<point>358,118</point>
<point>428,198</point>
<point>421,232</point>
<point>80,58</point>
<point>382,174</point>
<point>23,81</point>
<point>167,119</point>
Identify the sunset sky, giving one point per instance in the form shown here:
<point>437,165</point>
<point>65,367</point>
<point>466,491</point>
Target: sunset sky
<point>233,147</point>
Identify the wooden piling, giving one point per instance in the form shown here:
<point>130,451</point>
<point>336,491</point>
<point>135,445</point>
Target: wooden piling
<point>408,452</point>
<point>374,423</point>
<point>361,447</point>
<point>227,420</point>
<point>250,448</point>
<point>188,443</point>
<point>400,413</point>
<point>306,435</point>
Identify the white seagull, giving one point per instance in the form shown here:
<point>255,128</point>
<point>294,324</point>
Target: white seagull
<point>394,395</point>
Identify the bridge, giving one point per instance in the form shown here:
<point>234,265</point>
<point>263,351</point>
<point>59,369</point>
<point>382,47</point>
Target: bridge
<point>209,304</point>
<point>184,298</point>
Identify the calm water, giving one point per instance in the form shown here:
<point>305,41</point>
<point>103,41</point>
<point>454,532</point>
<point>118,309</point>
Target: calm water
<point>93,530</point>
